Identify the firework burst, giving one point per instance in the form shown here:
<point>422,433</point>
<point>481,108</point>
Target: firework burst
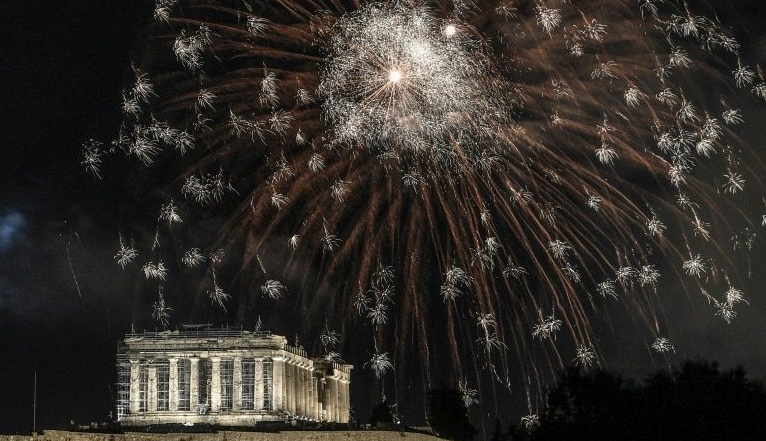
<point>480,167</point>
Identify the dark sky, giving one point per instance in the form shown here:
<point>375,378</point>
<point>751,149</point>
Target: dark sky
<point>63,302</point>
<point>64,63</point>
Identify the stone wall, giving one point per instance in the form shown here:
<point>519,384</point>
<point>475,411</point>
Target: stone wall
<point>297,435</point>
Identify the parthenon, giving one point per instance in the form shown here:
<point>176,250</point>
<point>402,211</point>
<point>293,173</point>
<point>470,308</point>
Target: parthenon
<point>225,377</point>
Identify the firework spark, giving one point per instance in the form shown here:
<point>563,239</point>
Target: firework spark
<point>527,153</point>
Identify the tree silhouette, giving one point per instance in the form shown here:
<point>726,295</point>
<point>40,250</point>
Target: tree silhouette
<point>381,417</point>
<point>694,402</point>
<point>448,415</point>
<point>593,406</point>
<point>698,401</point>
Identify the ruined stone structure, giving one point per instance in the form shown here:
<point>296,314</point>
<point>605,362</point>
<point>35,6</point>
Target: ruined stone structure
<point>292,435</point>
<point>225,377</point>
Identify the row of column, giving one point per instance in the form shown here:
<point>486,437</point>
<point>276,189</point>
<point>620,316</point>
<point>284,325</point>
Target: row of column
<point>337,399</point>
<point>292,387</point>
<point>215,394</point>
<point>306,394</point>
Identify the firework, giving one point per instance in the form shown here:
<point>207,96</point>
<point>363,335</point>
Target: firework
<point>440,164</point>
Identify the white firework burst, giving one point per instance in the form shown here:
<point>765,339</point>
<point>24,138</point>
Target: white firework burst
<point>559,249</point>
<point>733,117</point>
<point>695,266</point>
<point>361,302</point>
<point>607,288</point>
<point>513,270</point>
<point>530,422</point>
<point>377,314</point>
<point>655,226</point>
<point>329,338</point>
<point>735,296</point>
<point>169,213</point>
<point>662,345</point>
<point>548,18</point>
<point>456,281</point>
<point>273,289</point>
<point>329,241</point>
<point>333,357</point>
<point>547,327</point>
<point>380,364</point>
<point>193,258</point>
<point>469,394</point>
<point>218,296</point>
<point>92,155</point>
<point>160,311</point>
<point>402,79</point>
<point>155,270</point>
<point>648,275</point>
<point>163,9</point>
<point>585,356</point>
<point>125,255</point>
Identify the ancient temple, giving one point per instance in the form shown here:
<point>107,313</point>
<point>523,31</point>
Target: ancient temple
<point>225,377</point>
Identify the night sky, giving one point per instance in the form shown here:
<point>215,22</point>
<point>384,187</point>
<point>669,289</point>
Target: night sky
<point>64,64</point>
<point>64,303</point>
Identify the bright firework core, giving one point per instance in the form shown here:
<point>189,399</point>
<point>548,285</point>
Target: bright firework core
<point>395,75</point>
<point>440,102</point>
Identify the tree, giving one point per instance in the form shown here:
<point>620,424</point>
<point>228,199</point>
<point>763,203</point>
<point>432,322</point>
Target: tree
<point>594,406</point>
<point>381,416</point>
<point>698,401</point>
<point>693,402</point>
<point>448,415</point>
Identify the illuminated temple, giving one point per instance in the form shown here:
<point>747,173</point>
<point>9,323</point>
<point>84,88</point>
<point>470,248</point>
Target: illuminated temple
<point>225,377</point>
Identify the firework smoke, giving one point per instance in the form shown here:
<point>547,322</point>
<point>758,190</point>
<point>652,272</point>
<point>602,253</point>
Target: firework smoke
<point>497,169</point>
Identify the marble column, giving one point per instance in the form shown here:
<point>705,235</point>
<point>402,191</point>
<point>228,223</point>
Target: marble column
<point>258,374</point>
<point>151,390</point>
<point>326,407</point>
<point>338,409</point>
<point>336,397</point>
<point>299,389</point>
<point>290,386</point>
<point>286,389</point>
<point>301,386</point>
<point>321,408</point>
<point>326,402</point>
<point>135,374</point>
<point>236,402</point>
<point>278,397</point>
<point>215,385</point>
<point>343,402</point>
<point>173,386</point>
<point>306,388</point>
<point>314,401</point>
<point>193,383</point>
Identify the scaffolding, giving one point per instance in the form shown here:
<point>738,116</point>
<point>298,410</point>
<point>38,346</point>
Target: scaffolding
<point>123,382</point>
<point>163,384</point>
<point>196,331</point>
<point>143,386</point>
<point>248,384</point>
<point>184,384</point>
<point>268,385</point>
<point>227,384</point>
